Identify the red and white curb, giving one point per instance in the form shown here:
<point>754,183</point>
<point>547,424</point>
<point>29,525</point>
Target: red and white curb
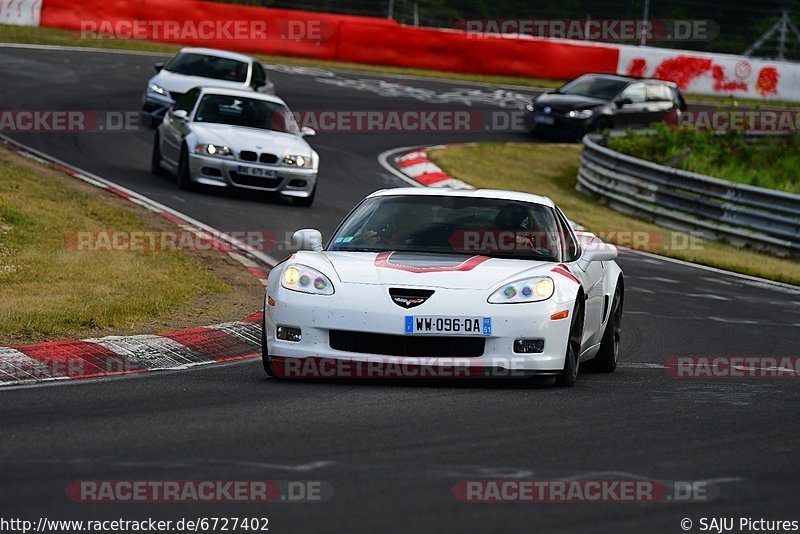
<point>121,355</point>
<point>116,355</point>
<point>418,167</point>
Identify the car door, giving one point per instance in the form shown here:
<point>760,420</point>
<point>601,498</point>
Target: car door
<point>632,106</point>
<point>591,277</point>
<point>174,130</point>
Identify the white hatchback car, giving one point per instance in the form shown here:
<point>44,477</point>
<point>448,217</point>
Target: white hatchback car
<point>196,67</point>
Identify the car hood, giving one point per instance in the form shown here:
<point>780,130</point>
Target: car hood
<point>560,102</point>
<point>425,270</point>
<point>180,83</point>
<point>254,139</point>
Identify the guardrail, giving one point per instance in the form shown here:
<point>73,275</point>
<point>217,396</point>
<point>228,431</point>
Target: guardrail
<point>740,214</point>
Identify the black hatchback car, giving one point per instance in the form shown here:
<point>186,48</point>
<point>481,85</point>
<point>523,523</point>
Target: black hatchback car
<point>595,102</point>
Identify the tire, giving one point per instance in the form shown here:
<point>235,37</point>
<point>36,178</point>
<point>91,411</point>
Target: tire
<point>601,125</point>
<point>569,374</point>
<point>155,158</point>
<point>182,180</point>
<point>606,359</point>
<point>265,357</point>
<point>307,201</point>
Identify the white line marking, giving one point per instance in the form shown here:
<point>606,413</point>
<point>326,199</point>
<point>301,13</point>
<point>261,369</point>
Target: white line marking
<point>707,296</point>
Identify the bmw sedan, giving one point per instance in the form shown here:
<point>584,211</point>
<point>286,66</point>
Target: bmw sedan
<point>232,138</point>
<point>595,102</point>
<point>195,67</point>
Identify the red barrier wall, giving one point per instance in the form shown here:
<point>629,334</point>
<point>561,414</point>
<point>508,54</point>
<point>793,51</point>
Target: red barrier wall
<point>346,38</point>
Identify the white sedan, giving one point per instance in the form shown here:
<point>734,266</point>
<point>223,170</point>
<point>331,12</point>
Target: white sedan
<point>231,138</point>
<point>195,67</point>
<point>456,283</point>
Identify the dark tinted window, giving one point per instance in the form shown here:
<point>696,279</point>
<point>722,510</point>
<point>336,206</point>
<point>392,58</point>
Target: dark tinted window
<point>259,76</point>
<point>218,68</point>
<point>247,112</point>
<point>187,101</point>
<point>453,225</point>
<point>594,87</point>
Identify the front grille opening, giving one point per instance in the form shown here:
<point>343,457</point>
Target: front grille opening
<point>410,293</point>
<point>210,171</point>
<point>419,346</point>
<point>268,158</point>
<point>247,155</point>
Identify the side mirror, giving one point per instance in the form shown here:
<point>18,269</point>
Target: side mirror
<point>308,239</point>
<point>179,114</point>
<point>158,66</point>
<point>622,102</point>
<point>257,84</point>
<point>305,131</point>
<point>599,251</point>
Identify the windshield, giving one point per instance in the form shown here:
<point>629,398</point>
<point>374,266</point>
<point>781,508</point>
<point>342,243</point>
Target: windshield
<point>594,87</point>
<point>247,112</point>
<point>218,68</point>
<point>452,225</point>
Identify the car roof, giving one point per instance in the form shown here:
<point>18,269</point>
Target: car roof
<point>626,78</point>
<point>216,53</point>
<point>467,193</point>
<point>241,93</point>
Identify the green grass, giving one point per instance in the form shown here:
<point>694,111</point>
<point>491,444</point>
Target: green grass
<point>49,289</point>
<point>772,162</point>
<point>551,170</point>
<point>52,36</point>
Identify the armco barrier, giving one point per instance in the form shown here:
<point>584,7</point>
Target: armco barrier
<point>740,214</point>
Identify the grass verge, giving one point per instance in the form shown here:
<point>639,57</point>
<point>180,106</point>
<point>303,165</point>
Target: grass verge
<point>53,36</point>
<point>551,170</point>
<point>51,290</point>
<point>731,156</point>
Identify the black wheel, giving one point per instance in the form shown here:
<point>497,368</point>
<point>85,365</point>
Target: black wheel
<point>155,159</point>
<point>569,374</point>
<point>307,201</point>
<point>265,357</point>
<point>606,359</point>
<point>602,125</point>
<point>183,180</point>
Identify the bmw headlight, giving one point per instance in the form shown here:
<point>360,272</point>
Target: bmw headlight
<point>157,89</point>
<point>527,290</point>
<point>298,277</point>
<point>213,150</point>
<point>580,113</point>
<point>298,161</point>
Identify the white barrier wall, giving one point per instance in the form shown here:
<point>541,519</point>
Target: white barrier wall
<point>714,74</point>
<point>20,12</point>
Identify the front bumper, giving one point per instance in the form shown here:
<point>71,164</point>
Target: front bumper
<point>368,309</point>
<point>562,126</point>
<point>154,107</point>
<point>224,172</point>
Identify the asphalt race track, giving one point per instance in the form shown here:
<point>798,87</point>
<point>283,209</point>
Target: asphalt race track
<point>393,451</point>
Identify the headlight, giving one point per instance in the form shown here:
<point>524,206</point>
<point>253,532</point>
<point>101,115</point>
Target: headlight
<point>304,279</point>
<point>155,88</point>
<point>298,161</point>
<point>213,150</point>
<point>529,106</point>
<point>527,290</point>
<point>580,113</point>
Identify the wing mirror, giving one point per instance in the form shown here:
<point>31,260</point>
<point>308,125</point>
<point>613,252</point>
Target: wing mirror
<point>158,66</point>
<point>305,131</point>
<point>179,114</point>
<point>599,252</point>
<point>622,102</point>
<point>308,239</point>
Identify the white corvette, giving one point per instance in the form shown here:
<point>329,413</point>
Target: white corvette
<point>453,283</point>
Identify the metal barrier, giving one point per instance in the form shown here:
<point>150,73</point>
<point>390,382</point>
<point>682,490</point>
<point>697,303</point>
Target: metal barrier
<point>740,214</point>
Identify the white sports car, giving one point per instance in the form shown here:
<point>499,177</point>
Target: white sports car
<point>445,283</point>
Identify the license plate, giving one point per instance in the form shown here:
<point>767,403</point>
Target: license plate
<point>255,171</point>
<point>543,119</point>
<point>462,326</point>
